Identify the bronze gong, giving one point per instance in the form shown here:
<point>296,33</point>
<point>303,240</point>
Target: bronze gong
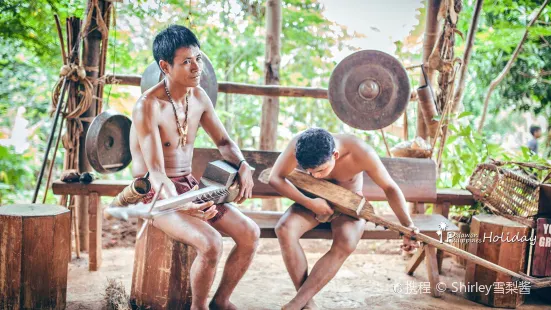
<point>369,90</point>
<point>108,142</point>
<point>153,75</point>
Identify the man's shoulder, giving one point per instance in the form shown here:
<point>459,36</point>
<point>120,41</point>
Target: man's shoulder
<point>147,104</point>
<point>202,96</point>
<point>353,142</point>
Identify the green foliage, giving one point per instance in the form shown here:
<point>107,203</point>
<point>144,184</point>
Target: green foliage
<point>501,26</point>
<point>16,175</point>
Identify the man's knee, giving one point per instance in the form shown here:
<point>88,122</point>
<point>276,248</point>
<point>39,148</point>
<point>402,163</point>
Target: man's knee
<point>345,246</point>
<point>211,246</point>
<point>283,230</point>
<point>250,235</point>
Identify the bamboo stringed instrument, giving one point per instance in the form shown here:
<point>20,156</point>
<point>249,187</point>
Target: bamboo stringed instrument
<point>356,206</point>
<point>220,187</point>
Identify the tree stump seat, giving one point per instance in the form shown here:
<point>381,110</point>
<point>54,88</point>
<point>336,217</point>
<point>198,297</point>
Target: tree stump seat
<point>35,248</point>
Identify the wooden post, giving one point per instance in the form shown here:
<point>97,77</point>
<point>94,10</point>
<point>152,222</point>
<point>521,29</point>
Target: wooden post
<point>508,254</point>
<point>432,270</point>
<point>270,105</point>
<point>91,56</point>
<point>431,34</point>
<point>96,219</point>
<point>35,245</point>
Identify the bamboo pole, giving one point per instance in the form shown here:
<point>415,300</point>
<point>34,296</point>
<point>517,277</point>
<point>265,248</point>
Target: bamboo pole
<point>431,34</point>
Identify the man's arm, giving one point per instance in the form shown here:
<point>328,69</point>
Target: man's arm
<point>227,147</point>
<point>372,164</point>
<point>284,165</point>
<point>145,119</point>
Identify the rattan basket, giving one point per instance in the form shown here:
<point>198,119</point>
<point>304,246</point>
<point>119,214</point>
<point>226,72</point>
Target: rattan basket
<point>509,189</point>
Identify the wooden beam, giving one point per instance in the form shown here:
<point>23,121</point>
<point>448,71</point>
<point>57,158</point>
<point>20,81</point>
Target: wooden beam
<point>236,88</point>
<point>123,79</point>
<point>272,90</point>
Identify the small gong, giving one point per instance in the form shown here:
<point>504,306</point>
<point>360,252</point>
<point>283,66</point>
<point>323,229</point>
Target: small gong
<point>108,142</point>
<point>369,90</point>
<point>153,75</point>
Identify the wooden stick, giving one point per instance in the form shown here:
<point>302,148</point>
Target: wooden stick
<point>347,203</point>
<point>60,34</point>
<point>144,225</point>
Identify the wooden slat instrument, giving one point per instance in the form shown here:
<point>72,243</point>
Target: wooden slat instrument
<point>354,205</point>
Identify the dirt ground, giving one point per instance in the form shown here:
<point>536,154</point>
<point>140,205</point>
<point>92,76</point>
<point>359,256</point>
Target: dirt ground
<point>372,278</point>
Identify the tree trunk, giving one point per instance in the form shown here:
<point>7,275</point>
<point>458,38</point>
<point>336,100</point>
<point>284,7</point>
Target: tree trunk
<point>91,56</point>
<point>507,67</point>
<point>431,34</point>
<point>458,96</point>
<point>35,246</point>
<point>270,106</point>
<point>162,268</point>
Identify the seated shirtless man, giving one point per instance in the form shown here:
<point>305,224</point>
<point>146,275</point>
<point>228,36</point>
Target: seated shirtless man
<point>164,127</point>
<point>341,159</point>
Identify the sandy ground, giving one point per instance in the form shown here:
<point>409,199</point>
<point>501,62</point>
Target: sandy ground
<point>366,280</point>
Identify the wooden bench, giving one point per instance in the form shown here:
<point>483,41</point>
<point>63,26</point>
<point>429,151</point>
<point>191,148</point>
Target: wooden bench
<point>416,178</point>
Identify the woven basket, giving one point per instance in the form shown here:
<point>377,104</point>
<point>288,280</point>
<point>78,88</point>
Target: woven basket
<point>511,192</point>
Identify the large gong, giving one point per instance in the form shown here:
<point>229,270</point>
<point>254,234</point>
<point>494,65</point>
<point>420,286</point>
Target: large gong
<point>108,142</point>
<point>153,75</point>
<point>369,90</point>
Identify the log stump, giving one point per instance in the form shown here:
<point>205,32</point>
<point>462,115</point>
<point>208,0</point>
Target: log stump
<point>35,248</point>
<point>501,251</point>
<point>161,276</point>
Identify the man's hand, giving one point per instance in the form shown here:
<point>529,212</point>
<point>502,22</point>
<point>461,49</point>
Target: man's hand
<point>246,183</point>
<point>204,211</point>
<point>320,207</point>
<point>409,245</point>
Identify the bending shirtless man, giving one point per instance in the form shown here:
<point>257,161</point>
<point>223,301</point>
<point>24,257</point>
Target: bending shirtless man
<point>161,146</point>
<point>341,159</point>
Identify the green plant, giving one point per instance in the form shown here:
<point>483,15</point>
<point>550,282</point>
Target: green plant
<point>16,175</point>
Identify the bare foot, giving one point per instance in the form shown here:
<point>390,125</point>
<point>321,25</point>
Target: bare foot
<point>215,305</point>
<point>311,305</point>
<point>290,306</point>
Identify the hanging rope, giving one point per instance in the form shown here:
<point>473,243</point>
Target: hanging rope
<point>75,73</point>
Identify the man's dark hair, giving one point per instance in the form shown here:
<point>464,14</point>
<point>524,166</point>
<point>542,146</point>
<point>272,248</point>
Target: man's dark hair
<point>169,40</point>
<point>534,128</point>
<point>314,147</point>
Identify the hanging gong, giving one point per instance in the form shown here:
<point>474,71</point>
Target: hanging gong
<point>108,142</point>
<point>153,75</point>
<point>369,90</point>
